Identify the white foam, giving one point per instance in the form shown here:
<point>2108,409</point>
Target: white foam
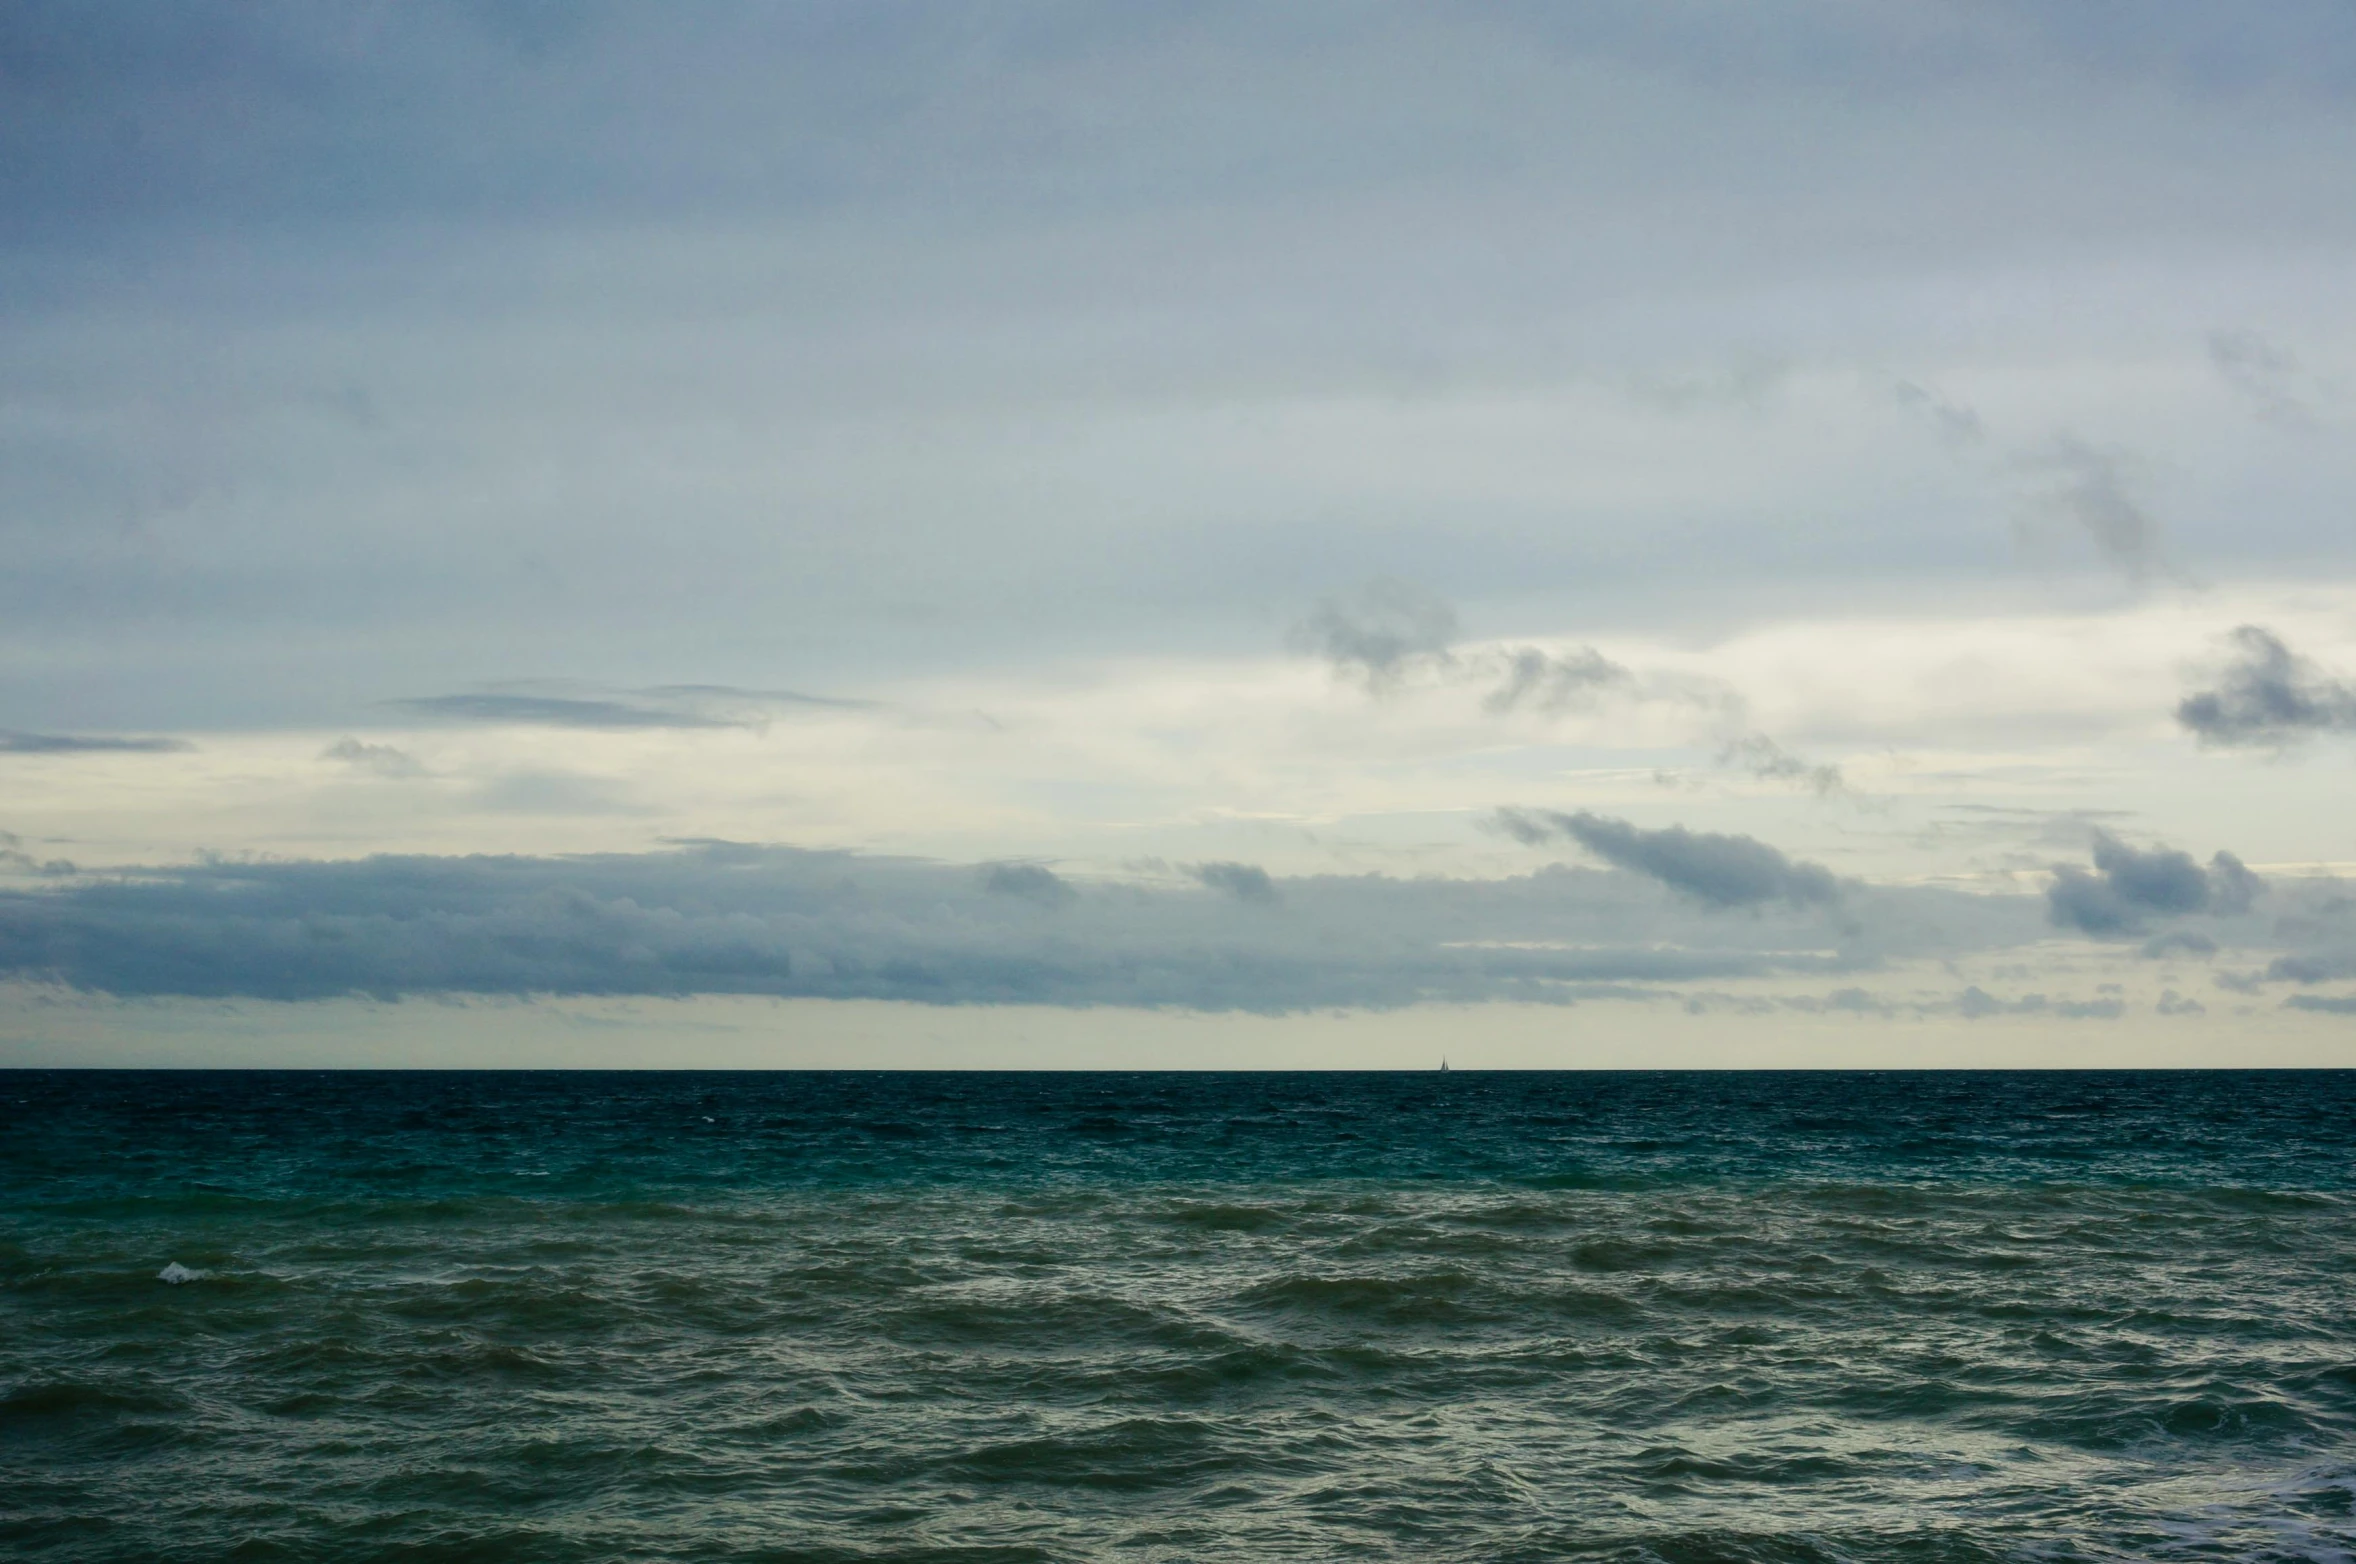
<point>176,1273</point>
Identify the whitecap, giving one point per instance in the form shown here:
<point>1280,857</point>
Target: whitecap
<point>176,1273</point>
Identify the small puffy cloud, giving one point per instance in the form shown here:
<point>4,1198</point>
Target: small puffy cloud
<point>1243,881</point>
<point>1034,883</point>
<point>382,760</point>
<point>1719,870</point>
<point>15,742</point>
<point>2129,886</point>
<point>2269,695</point>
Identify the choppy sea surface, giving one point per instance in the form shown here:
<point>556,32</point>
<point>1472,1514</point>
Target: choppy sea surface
<point>806,1317</point>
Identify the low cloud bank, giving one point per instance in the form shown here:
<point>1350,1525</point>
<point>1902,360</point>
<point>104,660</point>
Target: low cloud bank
<point>720,918</point>
<point>728,918</point>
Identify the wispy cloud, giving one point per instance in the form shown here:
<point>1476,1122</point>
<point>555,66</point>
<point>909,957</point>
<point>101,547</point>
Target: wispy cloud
<point>16,742</point>
<point>2090,488</point>
<point>555,712</point>
<point>2268,375</point>
<point>654,706</point>
<point>1380,633</point>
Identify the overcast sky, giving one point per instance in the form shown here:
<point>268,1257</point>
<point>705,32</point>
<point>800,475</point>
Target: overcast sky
<point>1094,533</point>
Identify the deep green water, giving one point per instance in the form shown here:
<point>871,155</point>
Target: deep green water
<point>1154,1317</point>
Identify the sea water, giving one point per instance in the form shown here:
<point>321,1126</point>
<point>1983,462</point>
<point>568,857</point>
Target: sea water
<point>1464,1316</point>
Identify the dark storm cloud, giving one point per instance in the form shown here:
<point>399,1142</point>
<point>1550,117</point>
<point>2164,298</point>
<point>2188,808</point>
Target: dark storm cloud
<point>1720,870</point>
<point>13,742</point>
<point>556,712</point>
<point>2268,695</point>
<point>2130,886</point>
<point>720,918</point>
<point>1243,881</point>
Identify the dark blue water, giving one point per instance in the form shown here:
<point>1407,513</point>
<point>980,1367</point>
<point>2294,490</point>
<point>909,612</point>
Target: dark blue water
<point>1154,1317</point>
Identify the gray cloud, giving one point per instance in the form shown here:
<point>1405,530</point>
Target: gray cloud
<point>2312,967</point>
<point>13,742</point>
<point>1380,633</point>
<point>739,695</point>
<point>1555,682</point>
<point>2130,886</point>
<point>1959,427</point>
<point>2089,488</point>
<point>14,856</point>
<point>1761,757</point>
<point>556,712</point>
<point>1034,883</point>
<point>384,760</point>
<point>1389,632</point>
<point>720,918</point>
<point>1976,1003</point>
<point>2264,373</point>
<point>1720,870</point>
<point>1243,881</point>
<point>2327,1004</point>
<point>2268,695</point>
<point>1129,219</point>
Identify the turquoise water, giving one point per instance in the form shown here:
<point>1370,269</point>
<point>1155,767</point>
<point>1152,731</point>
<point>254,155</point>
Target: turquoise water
<point>1154,1317</point>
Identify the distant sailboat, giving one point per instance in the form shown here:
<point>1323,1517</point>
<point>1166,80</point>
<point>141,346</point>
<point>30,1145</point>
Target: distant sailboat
<point>1443,1066</point>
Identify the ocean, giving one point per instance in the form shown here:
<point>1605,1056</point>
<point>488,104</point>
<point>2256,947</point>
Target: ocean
<point>1163,1316</point>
